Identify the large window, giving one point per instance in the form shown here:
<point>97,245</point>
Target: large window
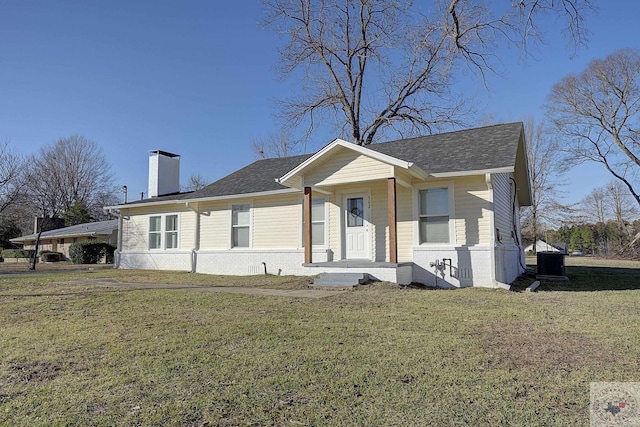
<point>240,225</point>
<point>433,215</point>
<point>163,234</point>
<point>317,222</point>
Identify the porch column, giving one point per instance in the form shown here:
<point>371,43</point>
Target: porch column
<point>392,220</point>
<point>306,225</point>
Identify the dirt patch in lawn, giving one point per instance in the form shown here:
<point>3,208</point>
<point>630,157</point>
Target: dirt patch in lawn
<point>520,346</point>
<point>30,372</point>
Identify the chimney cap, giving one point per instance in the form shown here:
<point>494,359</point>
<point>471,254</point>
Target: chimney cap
<point>164,153</point>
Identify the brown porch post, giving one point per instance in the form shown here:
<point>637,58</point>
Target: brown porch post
<point>392,220</point>
<point>306,225</point>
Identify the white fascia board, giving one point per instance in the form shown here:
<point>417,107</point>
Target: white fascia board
<point>417,171</point>
<point>351,146</point>
<point>470,173</point>
<point>54,236</point>
<point>206,199</point>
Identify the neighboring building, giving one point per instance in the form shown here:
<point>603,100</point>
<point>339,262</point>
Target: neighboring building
<point>440,210</point>
<point>542,246</point>
<point>60,239</point>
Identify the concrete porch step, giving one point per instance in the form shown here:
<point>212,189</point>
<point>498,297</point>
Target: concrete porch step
<point>340,280</point>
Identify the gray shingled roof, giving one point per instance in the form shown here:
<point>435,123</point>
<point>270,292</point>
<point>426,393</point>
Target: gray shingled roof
<point>101,228</point>
<point>490,147</point>
<point>257,177</point>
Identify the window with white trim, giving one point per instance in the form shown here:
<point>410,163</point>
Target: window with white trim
<point>171,232</point>
<point>318,221</point>
<point>433,215</point>
<point>240,226</point>
<point>163,231</point>
<point>155,232</point>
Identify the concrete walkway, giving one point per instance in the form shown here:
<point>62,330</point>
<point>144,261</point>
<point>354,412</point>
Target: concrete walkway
<point>300,293</point>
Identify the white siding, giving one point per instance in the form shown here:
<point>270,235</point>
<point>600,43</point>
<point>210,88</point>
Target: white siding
<point>215,225</point>
<point>135,226</point>
<point>472,210</point>
<point>347,166</point>
<point>276,222</point>
<point>503,207</point>
<point>404,214</point>
<point>379,221</point>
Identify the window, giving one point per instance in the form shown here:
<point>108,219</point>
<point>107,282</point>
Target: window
<point>167,234</point>
<point>155,232</point>
<point>240,224</point>
<point>317,222</point>
<point>433,212</point>
<point>355,208</point>
<point>171,232</point>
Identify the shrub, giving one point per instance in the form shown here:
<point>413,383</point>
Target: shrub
<point>91,252</point>
<point>48,256</point>
<point>15,253</point>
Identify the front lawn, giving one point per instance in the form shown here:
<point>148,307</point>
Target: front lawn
<point>379,355</point>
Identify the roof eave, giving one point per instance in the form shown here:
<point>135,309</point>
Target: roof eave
<point>205,199</point>
<point>452,174</point>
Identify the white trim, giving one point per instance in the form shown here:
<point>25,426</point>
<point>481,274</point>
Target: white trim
<point>492,225</point>
<point>452,213</point>
<point>231,205</point>
<point>358,149</point>
<point>163,231</point>
<point>473,172</point>
<point>207,199</point>
<point>366,195</point>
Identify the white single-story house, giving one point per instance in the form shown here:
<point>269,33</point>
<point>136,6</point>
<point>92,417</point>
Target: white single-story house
<point>439,210</point>
<point>59,239</point>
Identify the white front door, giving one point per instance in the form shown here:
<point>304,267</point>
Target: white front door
<point>356,226</point>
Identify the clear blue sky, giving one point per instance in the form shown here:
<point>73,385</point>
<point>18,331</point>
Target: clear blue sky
<point>196,78</point>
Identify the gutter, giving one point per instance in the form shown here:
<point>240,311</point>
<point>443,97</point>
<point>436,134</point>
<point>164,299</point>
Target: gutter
<point>196,237</point>
<point>492,224</point>
<point>116,254</point>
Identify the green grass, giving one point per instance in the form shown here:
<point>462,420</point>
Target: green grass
<point>380,355</point>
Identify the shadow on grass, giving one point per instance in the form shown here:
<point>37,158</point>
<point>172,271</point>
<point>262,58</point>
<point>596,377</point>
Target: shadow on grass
<point>588,279</point>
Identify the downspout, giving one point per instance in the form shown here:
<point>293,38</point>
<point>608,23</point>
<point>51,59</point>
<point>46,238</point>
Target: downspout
<point>492,224</point>
<point>116,255</point>
<point>196,236</point>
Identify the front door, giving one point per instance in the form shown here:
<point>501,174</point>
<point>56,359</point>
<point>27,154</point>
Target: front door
<point>356,226</point>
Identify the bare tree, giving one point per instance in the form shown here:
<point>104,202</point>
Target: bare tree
<point>73,169</point>
<point>596,206</point>
<point>196,182</point>
<point>45,198</point>
<point>281,144</point>
<point>598,112</point>
<point>12,177</point>
<point>376,66</point>
<point>544,169</point>
<point>622,209</point>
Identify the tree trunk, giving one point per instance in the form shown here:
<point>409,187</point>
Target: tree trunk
<point>34,258</point>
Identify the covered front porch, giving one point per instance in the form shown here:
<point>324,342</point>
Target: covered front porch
<point>361,190</point>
